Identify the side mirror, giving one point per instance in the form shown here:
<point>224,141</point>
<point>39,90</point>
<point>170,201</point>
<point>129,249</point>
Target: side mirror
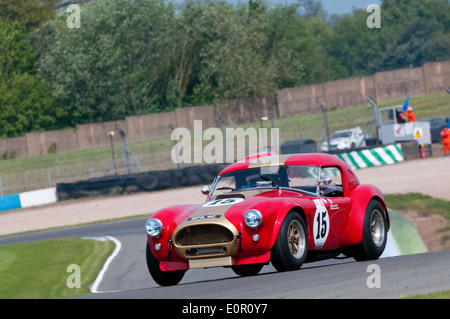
<point>205,190</point>
<point>326,180</point>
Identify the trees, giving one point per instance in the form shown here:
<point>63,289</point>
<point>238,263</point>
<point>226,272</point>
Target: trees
<point>415,44</point>
<point>26,104</point>
<point>415,32</point>
<point>411,34</point>
<point>142,56</point>
<point>28,13</point>
<point>117,64</point>
<point>147,56</point>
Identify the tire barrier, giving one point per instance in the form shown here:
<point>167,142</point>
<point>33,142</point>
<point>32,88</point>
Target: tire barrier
<point>28,199</point>
<point>134,183</point>
<point>378,156</point>
<point>299,146</point>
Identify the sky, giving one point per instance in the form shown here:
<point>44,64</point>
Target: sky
<point>346,6</point>
<point>333,6</point>
<point>339,7</point>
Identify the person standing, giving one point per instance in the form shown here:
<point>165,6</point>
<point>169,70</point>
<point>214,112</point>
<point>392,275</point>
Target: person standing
<point>409,113</point>
<point>445,134</point>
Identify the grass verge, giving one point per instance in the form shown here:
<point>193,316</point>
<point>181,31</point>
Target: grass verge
<point>424,204</point>
<point>39,270</point>
<point>419,202</point>
<point>405,234</point>
<point>434,295</point>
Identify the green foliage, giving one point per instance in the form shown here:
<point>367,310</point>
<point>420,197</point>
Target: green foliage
<point>113,65</point>
<point>411,34</point>
<point>29,13</point>
<point>26,104</point>
<point>417,43</point>
<point>352,46</point>
<point>144,56</point>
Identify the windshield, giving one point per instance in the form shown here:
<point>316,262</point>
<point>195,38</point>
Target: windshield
<point>337,135</point>
<point>273,176</point>
<point>303,178</point>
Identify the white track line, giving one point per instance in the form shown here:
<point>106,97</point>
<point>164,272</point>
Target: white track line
<point>94,286</point>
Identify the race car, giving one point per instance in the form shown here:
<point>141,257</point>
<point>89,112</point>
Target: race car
<point>280,209</point>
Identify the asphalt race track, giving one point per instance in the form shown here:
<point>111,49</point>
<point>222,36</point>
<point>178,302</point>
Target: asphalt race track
<point>127,276</point>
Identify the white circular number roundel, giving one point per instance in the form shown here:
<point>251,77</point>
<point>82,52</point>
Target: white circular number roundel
<point>224,201</point>
<point>321,224</point>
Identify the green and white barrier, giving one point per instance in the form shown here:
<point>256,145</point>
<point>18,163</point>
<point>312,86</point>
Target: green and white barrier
<point>378,156</point>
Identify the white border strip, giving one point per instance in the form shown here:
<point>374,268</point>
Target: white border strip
<point>371,157</point>
<point>94,286</point>
<point>389,160</point>
<point>38,197</point>
<point>395,152</point>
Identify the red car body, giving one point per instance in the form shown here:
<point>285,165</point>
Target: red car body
<point>334,210</point>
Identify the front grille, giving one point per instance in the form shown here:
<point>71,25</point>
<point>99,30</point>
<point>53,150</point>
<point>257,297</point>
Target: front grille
<point>204,235</point>
<point>193,252</point>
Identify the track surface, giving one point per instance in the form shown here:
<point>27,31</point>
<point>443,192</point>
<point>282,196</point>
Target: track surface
<point>128,277</point>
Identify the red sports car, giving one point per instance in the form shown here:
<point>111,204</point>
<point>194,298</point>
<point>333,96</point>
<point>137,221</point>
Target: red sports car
<point>283,209</point>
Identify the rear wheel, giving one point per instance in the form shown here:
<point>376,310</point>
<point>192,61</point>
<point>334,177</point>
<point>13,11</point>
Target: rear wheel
<point>374,233</point>
<point>162,278</point>
<point>291,247</point>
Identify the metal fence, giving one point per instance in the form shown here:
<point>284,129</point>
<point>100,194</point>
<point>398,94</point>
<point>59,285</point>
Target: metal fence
<point>153,154</point>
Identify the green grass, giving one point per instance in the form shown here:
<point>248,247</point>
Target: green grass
<point>406,235</point>
<point>38,270</point>
<point>434,295</point>
<point>420,203</point>
<point>24,174</point>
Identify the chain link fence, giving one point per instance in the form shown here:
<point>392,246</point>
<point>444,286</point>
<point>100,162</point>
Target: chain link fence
<point>153,154</point>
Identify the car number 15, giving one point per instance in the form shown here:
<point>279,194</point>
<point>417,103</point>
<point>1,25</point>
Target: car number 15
<point>321,224</point>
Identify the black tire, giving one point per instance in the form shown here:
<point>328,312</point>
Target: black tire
<point>291,248</point>
<point>247,270</point>
<point>162,278</point>
<point>374,235</point>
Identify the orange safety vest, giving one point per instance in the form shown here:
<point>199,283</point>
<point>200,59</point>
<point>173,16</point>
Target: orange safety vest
<point>410,115</point>
<point>445,134</point>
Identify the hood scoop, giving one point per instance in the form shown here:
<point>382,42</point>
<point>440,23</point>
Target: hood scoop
<point>231,195</point>
<point>243,194</point>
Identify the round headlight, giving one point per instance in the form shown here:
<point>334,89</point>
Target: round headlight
<point>154,227</point>
<point>253,218</point>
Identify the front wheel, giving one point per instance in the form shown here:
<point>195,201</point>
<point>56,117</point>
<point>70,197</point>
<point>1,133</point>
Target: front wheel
<point>374,235</point>
<point>162,278</point>
<point>291,247</point>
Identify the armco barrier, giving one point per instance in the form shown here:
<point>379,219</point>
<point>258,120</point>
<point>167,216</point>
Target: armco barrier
<point>28,199</point>
<point>378,156</point>
<point>10,202</point>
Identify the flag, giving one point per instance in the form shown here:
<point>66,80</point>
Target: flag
<point>405,105</point>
